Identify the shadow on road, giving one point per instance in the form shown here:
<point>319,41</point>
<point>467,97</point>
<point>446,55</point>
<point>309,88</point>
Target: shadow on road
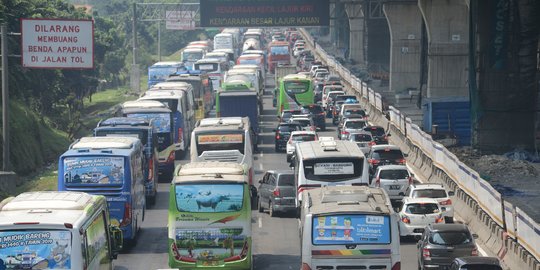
<point>276,262</point>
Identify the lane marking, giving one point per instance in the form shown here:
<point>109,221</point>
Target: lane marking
<point>260,222</point>
<point>260,166</point>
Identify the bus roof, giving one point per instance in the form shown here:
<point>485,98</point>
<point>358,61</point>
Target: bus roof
<point>166,94</point>
<point>105,143</point>
<point>336,199</point>
<point>143,104</point>
<point>171,85</point>
<point>210,170</point>
<point>229,122</point>
<point>209,61</point>
<point>124,121</point>
<point>167,64</point>
<point>293,77</point>
<point>328,149</point>
<point>48,207</point>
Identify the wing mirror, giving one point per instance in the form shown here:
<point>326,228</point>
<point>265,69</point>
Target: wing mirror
<point>475,236</point>
<point>451,193</point>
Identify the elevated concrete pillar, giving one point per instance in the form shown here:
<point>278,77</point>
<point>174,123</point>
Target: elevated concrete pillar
<point>340,25</point>
<point>356,38</point>
<point>447,28</point>
<point>405,24</point>
<point>333,23</point>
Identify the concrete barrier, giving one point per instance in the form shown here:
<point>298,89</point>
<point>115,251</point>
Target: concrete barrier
<point>8,182</point>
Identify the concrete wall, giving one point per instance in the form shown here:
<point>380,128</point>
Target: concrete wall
<point>8,183</point>
<point>404,22</point>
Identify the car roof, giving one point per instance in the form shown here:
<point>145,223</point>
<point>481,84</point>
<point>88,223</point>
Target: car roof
<point>451,227</point>
<point>427,186</point>
<point>407,200</point>
<point>392,167</point>
<point>385,146</point>
<point>478,260</point>
<point>361,133</point>
<point>303,132</point>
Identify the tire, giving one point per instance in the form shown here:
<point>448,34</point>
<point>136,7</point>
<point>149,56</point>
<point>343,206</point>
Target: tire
<point>271,211</point>
<point>259,205</point>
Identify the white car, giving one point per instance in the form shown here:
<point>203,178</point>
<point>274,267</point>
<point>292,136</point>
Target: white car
<point>434,191</point>
<point>328,97</point>
<point>351,125</point>
<point>394,179</point>
<point>363,139</point>
<point>305,121</point>
<point>416,214</point>
<point>297,50</point>
<point>299,136</point>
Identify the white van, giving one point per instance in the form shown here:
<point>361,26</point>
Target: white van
<point>57,229</point>
<point>328,163</point>
<point>226,139</point>
<point>349,228</point>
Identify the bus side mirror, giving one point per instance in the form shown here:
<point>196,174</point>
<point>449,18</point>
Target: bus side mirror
<point>253,196</point>
<point>117,240</point>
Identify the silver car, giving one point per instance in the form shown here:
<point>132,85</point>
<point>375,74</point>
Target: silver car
<point>363,139</point>
<point>350,126</point>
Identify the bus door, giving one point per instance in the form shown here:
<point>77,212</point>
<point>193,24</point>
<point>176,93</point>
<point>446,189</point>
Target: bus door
<point>210,225</point>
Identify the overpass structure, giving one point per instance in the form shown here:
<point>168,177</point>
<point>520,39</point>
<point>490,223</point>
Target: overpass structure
<point>509,233</point>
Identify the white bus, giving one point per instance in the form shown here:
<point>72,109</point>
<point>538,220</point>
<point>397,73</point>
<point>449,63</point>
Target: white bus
<point>347,227</point>
<point>226,139</point>
<point>328,163</point>
<point>57,230</point>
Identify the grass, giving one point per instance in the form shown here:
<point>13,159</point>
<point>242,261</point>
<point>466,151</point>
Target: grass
<point>42,181</point>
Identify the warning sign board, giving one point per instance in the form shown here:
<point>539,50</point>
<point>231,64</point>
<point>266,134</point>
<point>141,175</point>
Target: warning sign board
<point>57,43</point>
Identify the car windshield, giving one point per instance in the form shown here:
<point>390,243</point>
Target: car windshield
<point>360,112</point>
<point>394,174</point>
<point>450,238</point>
<point>421,208</point>
<point>429,193</point>
<point>355,124</point>
<point>286,180</point>
<point>303,138</point>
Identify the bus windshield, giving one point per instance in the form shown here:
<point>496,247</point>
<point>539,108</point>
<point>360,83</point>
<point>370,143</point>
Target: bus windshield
<point>333,169</point>
<point>208,67</point>
<point>192,56</point>
<point>279,50</point>
<point>35,249</point>
<point>223,140</point>
<point>297,87</point>
<point>93,170</point>
<point>351,229</point>
<point>209,197</point>
<point>162,121</point>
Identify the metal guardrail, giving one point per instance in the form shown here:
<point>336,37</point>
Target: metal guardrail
<point>511,233</point>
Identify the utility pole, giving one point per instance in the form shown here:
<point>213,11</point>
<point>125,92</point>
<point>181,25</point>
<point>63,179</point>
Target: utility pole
<point>135,74</point>
<point>5,100</point>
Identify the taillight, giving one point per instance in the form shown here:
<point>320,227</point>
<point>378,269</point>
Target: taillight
<point>372,143</point>
<point>276,192</point>
<point>233,258</point>
<point>306,187</point>
<point>278,137</point>
<point>373,161</point>
<point>151,170</point>
<point>305,266</point>
<point>426,254</point>
<point>474,252</point>
<point>397,266</point>
<point>344,132</point>
<point>447,202</point>
<point>439,219</point>
<point>406,219</point>
<point>126,220</point>
<point>401,161</point>
<point>180,135</point>
<point>378,182</point>
<point>171,157</point>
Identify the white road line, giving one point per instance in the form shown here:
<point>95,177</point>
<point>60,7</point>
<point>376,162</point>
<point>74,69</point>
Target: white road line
<point>260,166</point>
<point>260,222</point>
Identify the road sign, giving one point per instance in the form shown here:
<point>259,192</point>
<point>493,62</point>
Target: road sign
<point>264,13</point>
<point>57,43</point>
<point>180,20</point>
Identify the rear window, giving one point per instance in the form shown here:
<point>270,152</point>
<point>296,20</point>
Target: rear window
<point>162,121</point>
<point>288,128</point>
<point>219,141</point>
<point>350,230</point>
<point>480,267</point>
<point>394,174</point>
<point>359,112</point>
<point>286,180</point>
<point>421,208</point>
<point>93,171</point>
<point>387,154</point>
<point>303,123</point>
<point>314,109</point>
<point>355,124</point>
<point>303,138</point>
<point>450,238</point>
<point>375,131</point>
<point>333,169</point>
<point>361,137</point>
<point>429,193</point>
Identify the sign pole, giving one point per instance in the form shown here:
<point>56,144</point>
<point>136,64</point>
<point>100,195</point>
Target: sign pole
<point>159,40</point>
<point>5,101</point>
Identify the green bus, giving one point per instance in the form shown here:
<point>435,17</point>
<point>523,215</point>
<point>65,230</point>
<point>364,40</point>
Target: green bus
<point>295,90</point>
<point>209,222</point>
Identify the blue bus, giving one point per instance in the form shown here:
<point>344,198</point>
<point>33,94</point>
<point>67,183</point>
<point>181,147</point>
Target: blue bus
<point>144,130</point>
<point>160,71</point>
<point>112,167</point>
<point>165,128</point>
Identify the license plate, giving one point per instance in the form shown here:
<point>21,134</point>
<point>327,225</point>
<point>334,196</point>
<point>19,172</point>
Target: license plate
<point>395,187</point>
